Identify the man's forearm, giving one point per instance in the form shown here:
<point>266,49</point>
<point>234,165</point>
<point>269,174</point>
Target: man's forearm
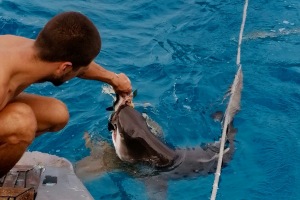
<point>97,72</point>
<point>120,82</point>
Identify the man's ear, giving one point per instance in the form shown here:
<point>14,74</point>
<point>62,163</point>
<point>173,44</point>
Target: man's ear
<point>64,67</point>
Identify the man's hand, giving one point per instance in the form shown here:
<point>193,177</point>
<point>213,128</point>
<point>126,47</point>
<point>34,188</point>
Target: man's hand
<point>121,84</point>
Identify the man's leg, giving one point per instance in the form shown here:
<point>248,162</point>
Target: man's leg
<point>51,114</point>
<point>17,130</point>
<point>22,120</point>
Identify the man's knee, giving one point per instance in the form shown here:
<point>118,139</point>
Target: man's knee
<point>22,124</point>
<point>60,116</point>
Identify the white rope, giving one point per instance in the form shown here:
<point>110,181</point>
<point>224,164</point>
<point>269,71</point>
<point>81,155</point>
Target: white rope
<point>233,104</point>
<point>238,57</point>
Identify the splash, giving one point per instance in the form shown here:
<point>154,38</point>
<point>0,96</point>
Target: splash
<point>108,89</point>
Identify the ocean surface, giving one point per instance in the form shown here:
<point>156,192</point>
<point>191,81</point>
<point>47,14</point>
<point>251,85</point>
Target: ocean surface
<point>181,57</point>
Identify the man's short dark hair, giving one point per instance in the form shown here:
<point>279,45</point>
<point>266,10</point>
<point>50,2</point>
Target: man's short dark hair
<point>69,36</point>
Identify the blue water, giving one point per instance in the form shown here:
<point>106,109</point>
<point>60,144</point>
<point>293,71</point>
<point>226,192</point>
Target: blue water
<point>180,55</point>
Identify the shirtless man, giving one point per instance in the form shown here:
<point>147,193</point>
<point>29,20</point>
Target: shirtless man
<point>65,48</point>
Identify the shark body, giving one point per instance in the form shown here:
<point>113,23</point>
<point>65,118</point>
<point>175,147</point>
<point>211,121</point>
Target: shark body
<point>143,155</point>
<point>135,143</point>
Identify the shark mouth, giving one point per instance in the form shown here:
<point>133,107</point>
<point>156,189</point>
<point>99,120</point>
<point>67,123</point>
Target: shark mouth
<point>133,140</point>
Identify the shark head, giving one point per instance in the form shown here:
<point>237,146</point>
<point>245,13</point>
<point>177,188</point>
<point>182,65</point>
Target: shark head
<point>132,138</point>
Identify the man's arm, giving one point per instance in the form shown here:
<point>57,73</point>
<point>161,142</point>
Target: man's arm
<point>120,82</point>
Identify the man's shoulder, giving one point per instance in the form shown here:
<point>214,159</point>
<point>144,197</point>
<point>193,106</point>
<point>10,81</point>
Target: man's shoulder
<point>9,36</point>
<point>13,39</point>
<point>12,48</point>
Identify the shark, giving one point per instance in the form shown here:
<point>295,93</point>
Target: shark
<point>140,151</point>
<point>135,143</point>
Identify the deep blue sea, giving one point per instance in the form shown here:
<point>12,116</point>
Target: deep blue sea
<point>181,56</point>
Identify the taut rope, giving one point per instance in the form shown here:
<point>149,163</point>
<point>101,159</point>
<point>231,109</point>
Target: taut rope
<point>233,104</point>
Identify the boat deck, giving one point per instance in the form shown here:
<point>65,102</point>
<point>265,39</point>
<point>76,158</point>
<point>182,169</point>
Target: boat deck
<point>47,178</point>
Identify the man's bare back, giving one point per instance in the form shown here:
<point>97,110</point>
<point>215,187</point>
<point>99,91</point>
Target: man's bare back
<point>53,58</point>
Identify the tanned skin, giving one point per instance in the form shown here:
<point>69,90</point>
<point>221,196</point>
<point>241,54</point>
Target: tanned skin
<point>25,116</point>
